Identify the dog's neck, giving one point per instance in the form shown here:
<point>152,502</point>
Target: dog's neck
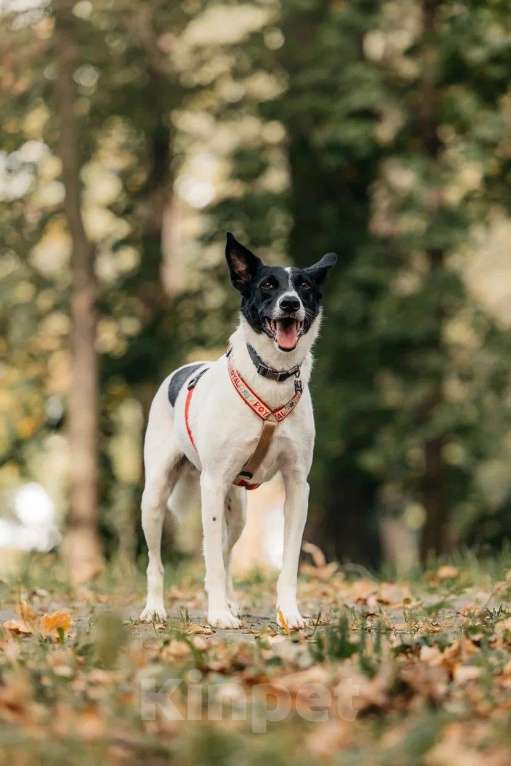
<point>273,392</point>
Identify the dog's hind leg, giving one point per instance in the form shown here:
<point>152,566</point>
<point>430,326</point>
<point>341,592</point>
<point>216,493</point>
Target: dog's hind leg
<point>234,521</point>
<point>162,459</point>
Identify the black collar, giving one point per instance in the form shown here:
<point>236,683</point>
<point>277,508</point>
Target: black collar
<point>268,372</point>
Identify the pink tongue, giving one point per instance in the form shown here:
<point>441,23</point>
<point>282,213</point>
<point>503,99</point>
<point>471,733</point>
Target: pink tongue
<point>287,336</point>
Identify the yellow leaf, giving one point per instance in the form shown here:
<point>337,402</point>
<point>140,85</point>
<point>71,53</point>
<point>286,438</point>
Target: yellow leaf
<point>282,621</point>
<point>51,623</point>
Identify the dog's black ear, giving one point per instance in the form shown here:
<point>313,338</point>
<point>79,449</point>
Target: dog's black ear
<point>319,270</point>
<point>243,264</point>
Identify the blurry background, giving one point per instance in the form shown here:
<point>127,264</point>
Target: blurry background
<point>135,134</point>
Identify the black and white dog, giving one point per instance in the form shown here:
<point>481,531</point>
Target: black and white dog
<point>230,425</point>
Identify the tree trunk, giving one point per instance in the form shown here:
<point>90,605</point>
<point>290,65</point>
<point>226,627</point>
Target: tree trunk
<point>82,548</point>
<point>433,489</point>
<point>143,364</point>
<point>433,537</point>
<point>158,194</point>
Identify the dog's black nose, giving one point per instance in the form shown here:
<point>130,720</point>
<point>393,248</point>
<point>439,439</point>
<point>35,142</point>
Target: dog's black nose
<point>290,304</point>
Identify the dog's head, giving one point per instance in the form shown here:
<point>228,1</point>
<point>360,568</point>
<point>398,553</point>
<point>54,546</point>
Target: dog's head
<point>283,303</point>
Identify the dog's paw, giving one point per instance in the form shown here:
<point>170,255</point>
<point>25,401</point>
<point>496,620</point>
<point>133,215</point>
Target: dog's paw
<point>153,613</point>
<point>223,618</point>
<point>290,618</point>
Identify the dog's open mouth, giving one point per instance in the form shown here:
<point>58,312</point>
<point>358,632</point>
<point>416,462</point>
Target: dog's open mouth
<point>285,332</point>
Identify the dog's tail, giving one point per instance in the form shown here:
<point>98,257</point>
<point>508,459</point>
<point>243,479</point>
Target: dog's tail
<point>185,495</point>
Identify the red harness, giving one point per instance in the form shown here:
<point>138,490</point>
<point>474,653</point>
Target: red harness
<point>256,404</point>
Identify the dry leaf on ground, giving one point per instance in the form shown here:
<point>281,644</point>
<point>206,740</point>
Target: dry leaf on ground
<point>17,627</point>
<point>52,624</point>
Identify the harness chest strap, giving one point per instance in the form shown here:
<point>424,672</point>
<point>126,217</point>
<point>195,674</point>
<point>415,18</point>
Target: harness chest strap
<point>257,457</point>
<point>271,418</point>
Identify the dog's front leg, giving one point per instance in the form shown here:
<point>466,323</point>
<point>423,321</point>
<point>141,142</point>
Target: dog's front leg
<point>295,516</point>
<point>213,493</point>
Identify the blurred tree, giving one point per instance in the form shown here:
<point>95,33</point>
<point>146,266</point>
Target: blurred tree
<point>98,86</point>
<point>34,293</point>
<point>446,165</point>
<point>82,545</point>
<point>142,88</point>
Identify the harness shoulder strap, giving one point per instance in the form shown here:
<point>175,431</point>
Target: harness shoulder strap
<point>189,393</point>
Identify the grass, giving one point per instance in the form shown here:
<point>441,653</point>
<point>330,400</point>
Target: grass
<point>390,672</point>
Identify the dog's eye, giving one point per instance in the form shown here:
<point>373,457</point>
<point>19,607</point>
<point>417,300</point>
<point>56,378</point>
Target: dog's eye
<point>305,287</point>
<point>267,284</point>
